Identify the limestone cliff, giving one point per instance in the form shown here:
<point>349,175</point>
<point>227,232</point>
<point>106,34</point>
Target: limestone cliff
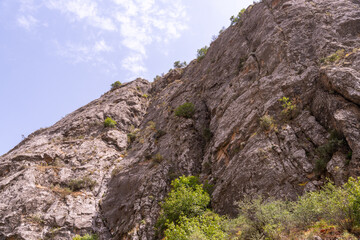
<point>241,138</point>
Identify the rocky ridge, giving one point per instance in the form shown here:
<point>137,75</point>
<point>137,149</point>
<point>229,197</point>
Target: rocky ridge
<point>241,138</point>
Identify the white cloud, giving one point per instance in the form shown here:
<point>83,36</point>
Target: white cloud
<point>144,21</point>
<point>83,10</point>
<point>26,17</point>
<point>27,6</point>
<point>135,64</point>
<point>27,22</point>
<point>101,46</point>
<point>134,24</point>
<point>78,53</point>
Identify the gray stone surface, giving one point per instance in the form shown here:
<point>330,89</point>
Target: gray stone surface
<point>35,202</point>
<point>275,51</point>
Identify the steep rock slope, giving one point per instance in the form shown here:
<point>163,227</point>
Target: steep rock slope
<point>240,139</point>
<point>52,182</point>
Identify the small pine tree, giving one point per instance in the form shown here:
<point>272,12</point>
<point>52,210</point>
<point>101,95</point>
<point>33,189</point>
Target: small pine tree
<point>115,85</point>
<point>201,53</point>
<point>179,64</point>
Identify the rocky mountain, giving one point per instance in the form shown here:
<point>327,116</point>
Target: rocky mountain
<point>276,105</point>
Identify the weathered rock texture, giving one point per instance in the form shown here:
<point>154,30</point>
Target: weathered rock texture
<point>278,49</point>
<point>79,153</point>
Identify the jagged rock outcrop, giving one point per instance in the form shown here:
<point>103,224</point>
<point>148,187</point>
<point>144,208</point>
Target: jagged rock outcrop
<point>241,138</point>
<point>52,182</point>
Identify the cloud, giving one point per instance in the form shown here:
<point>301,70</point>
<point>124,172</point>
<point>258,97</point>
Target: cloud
<point>27,6</point>
<point>78,53</point>
<point>144,21</point>
<point>27,22</point>
<point>130,25</point>
<point>83,10</point>
<point>135,64</point>
<point>26,14</point>
<point>101,46</point>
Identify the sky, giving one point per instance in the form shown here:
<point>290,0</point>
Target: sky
<point>58,55</point>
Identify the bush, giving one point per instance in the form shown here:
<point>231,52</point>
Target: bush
<point>158,158</point>
<point>266,122</point>
<point>157,78</point>
<point>179,64</point>
<point>325,151</point>
<point>353,189</point>
<point>187,198</point>
<point>115,85</point>
<point>109,122</point>
<point>206,226</point>
<point>201,53</point>
<point>339,54</point>
<point>185,110</point>
<point>80,183</point>
<point>262,218</point>
<point>236,19</point>
<point>207,134</point>
<point>86,237</point>
<point>131,137</point>
<point>159,133</point>
<point>289,108</point>
<point>272,219</point>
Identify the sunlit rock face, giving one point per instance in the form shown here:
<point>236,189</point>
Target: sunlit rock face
<point>79,176</point>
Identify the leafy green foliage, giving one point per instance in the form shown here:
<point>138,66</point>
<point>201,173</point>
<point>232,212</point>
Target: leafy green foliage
<point>115,85</point>
<point>339,54</point>
<point>184,215</point>
<point>353,189</point>
<point>207,226</point>
<point>201,53</point>
<point>109,122</point>
<point>80,183</point>
<point>131,137</point>
<point>267,122</point>
<point>86,237</point>
<point>325,152</point>
<point>289,108</point>
<point>157,78</point>
<point>159,133</point>
<point>207,134</point>
<point>133,134</point>
<point>236,19</point>
<point>179,64</point>
<point>185,110</point>
<point>272,219</point>
<point>187,198</point>
<point>260,218</point>
<point>158,158</point>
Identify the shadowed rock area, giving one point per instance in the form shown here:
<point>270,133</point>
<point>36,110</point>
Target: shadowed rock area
<point>81,177</point>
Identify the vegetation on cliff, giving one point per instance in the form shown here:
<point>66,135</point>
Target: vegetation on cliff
<point>332,211</point>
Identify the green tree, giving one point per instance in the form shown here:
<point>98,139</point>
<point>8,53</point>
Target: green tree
<point>201,53</point>
<point>185,110</point>
<point>187,198</point>
<point>235,19</point>
<point>115,85</point>
<point>208,226</point>
<point>179,64</point>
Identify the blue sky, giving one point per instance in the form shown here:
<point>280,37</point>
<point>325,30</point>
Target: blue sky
<point>58,55</point>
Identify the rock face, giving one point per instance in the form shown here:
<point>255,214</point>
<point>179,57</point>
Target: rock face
<point>241,138</point>
<point>52,182</point>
